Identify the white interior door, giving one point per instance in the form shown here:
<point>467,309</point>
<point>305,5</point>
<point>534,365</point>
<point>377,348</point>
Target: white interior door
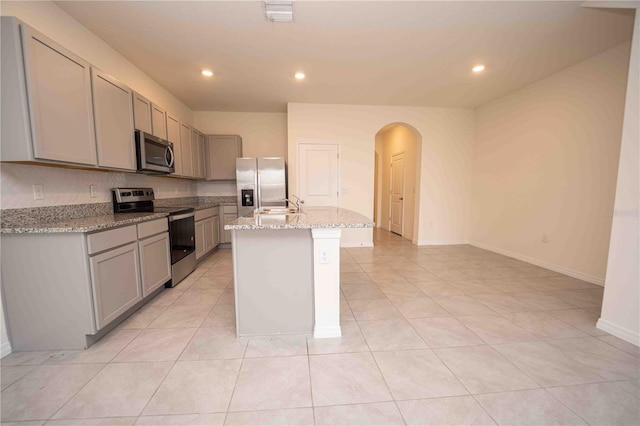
<point>318,174</point>
<point>397,193</point>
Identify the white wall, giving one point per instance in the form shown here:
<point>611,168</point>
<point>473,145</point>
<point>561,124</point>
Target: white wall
<point>447,144</point>
<point>395,140</point>
<point>545,162</point>
<point>621,304</point>
<point>69,186</point>
<point>263,135</point>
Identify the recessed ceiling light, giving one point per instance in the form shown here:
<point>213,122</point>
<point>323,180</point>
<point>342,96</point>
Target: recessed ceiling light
<point>207,73</point>
<point>478,68</point>
<point>299,75</point>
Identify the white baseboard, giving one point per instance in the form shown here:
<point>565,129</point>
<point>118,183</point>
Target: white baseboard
<point>621,332</point>
<point>327,332</point>
<point>5,349</point>
<point>557,268</point>
<point>441,242</point>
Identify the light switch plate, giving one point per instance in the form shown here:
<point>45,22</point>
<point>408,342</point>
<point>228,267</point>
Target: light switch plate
<point>93,191</point>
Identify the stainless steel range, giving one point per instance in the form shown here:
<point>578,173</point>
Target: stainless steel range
<point>181,227</point>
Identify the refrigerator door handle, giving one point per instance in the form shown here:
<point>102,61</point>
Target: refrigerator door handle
<point>259,202</point>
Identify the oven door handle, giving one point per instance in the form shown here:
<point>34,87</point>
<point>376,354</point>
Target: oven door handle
<point>181,216</point>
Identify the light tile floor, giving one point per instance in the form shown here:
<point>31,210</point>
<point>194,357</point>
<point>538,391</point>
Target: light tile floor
<point>431,335</point>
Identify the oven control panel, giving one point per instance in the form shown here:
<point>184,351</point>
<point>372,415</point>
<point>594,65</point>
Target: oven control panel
<point>130,195</point>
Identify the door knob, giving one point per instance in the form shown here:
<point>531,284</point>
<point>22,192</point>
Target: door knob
<point>401,198</point>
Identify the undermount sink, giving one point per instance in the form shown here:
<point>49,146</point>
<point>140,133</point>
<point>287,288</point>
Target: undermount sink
<point>278,211</point>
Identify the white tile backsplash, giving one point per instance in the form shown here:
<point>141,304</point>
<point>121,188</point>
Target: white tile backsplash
<point>216,188</point>
<point>70,186</point>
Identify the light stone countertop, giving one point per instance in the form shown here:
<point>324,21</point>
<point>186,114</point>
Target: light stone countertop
<point>311,217</point>
<point>93,217</point>
<point>83,224</point>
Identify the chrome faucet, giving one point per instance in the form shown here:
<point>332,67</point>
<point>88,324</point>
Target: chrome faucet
<point>298,203</point>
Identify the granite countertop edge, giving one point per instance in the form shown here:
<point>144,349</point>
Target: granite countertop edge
<point>310,218</point>
<point>86,218</point>
<point>232,227</point>
<point>84,225</point>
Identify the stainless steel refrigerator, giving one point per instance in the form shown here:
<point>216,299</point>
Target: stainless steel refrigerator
<point>261,182</point>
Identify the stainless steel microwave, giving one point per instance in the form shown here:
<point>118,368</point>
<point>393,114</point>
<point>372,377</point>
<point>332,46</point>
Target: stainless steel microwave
<point>154,155</point>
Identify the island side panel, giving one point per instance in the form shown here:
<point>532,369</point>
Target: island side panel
<point>273,275</point>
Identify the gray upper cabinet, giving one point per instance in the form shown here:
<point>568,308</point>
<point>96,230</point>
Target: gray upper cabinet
<point>186,147</point>
<point>228,215</point>
<point>195,153</point>
<point>220,156</point>
<point>142,113</point>
<point>46,99</point>
<point>202,167</point>
<point>57,109</point>
<point>173,135</point>
<point>113,116</point>
<point>158,121</point>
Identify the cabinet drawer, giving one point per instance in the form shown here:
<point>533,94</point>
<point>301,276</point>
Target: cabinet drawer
<point>205,213</point>
<point>230,209</point>
<point>105,240</point>
<point>152,227</point>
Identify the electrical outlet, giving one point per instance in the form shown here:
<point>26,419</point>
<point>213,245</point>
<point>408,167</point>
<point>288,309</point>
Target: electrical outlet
<point>324,257</point>
<point>175,192</point>
<point>545,238</point>
<point>38,192</point>
<point>93,191</point>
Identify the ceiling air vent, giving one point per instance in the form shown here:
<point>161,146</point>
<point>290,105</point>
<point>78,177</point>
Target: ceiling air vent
<point>278,11</point>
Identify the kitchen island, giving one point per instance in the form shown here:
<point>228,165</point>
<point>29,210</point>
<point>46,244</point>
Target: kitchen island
<point>287,271</point>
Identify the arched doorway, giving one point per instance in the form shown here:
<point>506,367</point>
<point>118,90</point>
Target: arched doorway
<point>397,179</point>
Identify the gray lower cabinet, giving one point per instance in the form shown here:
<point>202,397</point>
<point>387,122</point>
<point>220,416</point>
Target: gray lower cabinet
<point>207,230</point>
<point>200,245</point>
<point>82,285</point>
<point>115,279</point>
<point>208,234</point>
<point>155,262</point>
<point>216,230</point>
<point>229,214</point>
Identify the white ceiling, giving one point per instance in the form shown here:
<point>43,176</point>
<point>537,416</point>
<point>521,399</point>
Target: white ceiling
<point>353,52</point>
